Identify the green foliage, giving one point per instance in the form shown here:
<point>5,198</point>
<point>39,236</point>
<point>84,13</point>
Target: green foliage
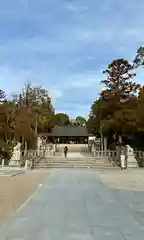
<point>25,115</point>
<point>139,59</point>
<point>80,120</point>
<point>140,111</point>
<point>114,111</point>
<point>2,95</point>
<point>93,122</point>
<point>5,151</point>
<point>61,119</point>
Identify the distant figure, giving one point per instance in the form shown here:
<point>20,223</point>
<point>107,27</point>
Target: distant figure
<point>65,151</point>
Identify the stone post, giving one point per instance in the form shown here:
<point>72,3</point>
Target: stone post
<point>26,164</point>
<point>105,144</point>
<point>52,152</point>
<point>123,158</point>
<point>3,162</point>
<point>93,150</point>
<point>47,153</point>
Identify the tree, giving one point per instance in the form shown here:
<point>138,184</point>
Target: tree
<point>25,115</point>
<point>6,126</point>
<point>7,117</point>
<point>29,112</point>
<point>61,119</point>
<point>10,113</point>
<point>119,95</point>
<point>38,102</point>
<point>140,111</point>
<point>113,112</point>
<point>139,59</point>
<point>2,95</point>
<point>119,74</point>
<point>80,120</point>
<point>94,119</point>
<point>24,129</point>
<point>46,116</point>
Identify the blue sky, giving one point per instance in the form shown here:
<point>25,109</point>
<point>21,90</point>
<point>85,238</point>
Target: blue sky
<point>64,45</point>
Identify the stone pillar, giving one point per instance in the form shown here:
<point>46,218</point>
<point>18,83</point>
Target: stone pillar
<point>123,158</point>
<point>47,153</point>
<point>26,164</point>
<point>105,144</point>
<point>52,152</point>
<point>117,154</point>
<point>3,162</point>
<point>93,149</point>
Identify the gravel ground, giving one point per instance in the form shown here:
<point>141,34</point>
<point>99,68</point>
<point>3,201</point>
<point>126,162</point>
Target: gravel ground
<point>130,179</point>
<point>14,191</point>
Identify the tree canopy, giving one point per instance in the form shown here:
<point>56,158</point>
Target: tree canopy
<point>80,120</point>
<point>61,119</point>
<point>28,113</point>
<point>119,108</point>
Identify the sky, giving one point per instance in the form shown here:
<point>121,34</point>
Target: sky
<point>64,45</point>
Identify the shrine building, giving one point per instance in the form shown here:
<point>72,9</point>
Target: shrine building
<point>67,134</point>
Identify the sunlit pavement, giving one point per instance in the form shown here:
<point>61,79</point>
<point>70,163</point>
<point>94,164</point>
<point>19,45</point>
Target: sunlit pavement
<point>75,205</point>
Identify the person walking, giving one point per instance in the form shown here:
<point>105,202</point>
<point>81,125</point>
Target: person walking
<point>65,151</point>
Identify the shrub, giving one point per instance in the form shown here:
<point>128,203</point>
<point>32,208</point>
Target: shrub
<point>5,152</point>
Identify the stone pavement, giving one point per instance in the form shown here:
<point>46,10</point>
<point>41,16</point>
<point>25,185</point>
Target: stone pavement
<point>76,205</point>
<point>75,155</point>
<point>70,154</point>
<point>10,171</point>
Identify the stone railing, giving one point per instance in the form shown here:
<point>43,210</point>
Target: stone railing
<point>139,156</point>
<point>18,160</point>
<point>126,159</point>
<point>41,153</point>
<point>109,155</point>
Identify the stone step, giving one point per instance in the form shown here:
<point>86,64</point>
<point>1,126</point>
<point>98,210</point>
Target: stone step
<point>74,162</point>
<point>71,160</point>
<point>76,166</point>
<point>72,151</point>
<point>132,165</point>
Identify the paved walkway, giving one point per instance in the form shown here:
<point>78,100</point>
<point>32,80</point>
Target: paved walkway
<point>70,154</point>
<point>75,205</point>
<point>75,155</point>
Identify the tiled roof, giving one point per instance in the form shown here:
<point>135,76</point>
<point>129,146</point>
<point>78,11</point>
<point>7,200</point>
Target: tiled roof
<point>68,131</point>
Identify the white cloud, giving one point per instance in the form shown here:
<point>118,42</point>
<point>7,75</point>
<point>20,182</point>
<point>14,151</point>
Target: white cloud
<point>76,7</point>
<point>82,80</point>
<point>75,110</point>
<point>55,94</point>
<point>12,82</point>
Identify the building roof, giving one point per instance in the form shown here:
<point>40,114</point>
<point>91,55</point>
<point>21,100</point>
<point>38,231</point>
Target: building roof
<point>68,131</point>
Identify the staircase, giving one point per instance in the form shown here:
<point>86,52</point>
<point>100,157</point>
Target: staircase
<point>78,157</point>
<point>85,162</point>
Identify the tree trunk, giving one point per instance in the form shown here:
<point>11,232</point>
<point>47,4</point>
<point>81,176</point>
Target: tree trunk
<point>102,144</point>
<point>23,143</point>
<point>36,126</point>
<point>25,148</point>
<point>119,149</point>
